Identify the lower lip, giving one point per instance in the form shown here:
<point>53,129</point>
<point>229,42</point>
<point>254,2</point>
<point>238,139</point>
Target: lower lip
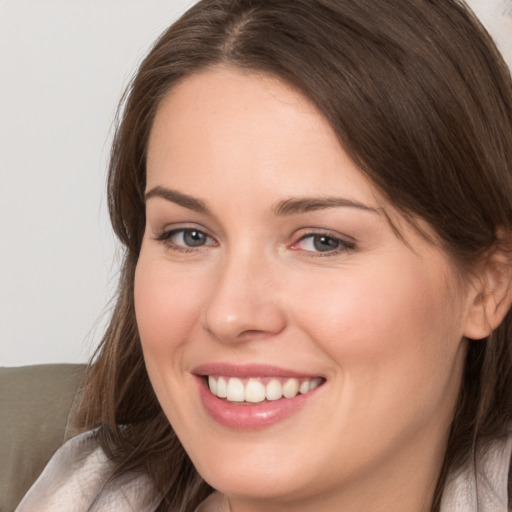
<point>245,416</point>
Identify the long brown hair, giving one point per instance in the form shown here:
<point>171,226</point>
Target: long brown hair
<point>422,102</point>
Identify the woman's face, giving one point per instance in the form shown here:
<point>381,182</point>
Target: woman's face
<point>269,264</point>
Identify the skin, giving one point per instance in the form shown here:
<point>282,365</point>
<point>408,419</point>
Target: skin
<point>381,320</point>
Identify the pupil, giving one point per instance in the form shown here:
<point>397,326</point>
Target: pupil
<point>325,243</point>
<point>194,238</point>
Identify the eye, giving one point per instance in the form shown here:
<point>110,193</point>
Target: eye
<point>322,243</point>
<point>185,239</point>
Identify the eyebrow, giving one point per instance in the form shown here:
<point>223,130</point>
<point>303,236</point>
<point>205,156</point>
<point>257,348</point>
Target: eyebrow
<point>284,208</point>
<point>309,204</point>
<point>179,198</point>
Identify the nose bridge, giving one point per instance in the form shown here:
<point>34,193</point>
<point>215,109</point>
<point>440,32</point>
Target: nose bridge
<point>244,302</point>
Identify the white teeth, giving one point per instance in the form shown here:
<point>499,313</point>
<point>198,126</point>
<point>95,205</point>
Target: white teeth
<point>254,391</point>
<point>314,384</point>
<point>303,388</point>
<point>274,390</point>
<point>222,388</point>
<point>291,388</point>
<point>235,391</point>
<point>212,384</point>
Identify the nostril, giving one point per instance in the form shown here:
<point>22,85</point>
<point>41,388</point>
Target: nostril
<point>252,333</point>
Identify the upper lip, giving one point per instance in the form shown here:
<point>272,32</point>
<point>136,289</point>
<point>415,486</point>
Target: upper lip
<point>249,370</point>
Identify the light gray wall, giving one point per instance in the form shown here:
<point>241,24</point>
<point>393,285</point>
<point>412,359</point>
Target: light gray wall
<point>63,65</point>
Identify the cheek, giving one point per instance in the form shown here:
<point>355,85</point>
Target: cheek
<point>394,344</point>
<point>376,309</point>
<point>166,306</point>
<point>385,329</point>
<point>167,312</point>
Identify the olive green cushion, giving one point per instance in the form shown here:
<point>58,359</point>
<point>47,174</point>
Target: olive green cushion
<point>35,402</point>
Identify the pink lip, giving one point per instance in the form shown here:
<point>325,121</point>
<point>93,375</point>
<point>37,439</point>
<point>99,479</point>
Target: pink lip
<point>245,416</point>
<point>249,370</point>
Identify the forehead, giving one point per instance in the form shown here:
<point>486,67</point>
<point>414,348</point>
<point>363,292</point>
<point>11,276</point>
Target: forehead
<point>227,126</point>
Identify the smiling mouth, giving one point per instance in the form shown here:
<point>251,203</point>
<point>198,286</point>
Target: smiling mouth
<point>257,390</point>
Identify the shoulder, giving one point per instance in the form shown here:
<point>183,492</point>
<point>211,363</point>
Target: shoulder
<point>77,479</point>
<point>483,485</point>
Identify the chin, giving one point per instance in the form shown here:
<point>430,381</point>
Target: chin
<point>258,473</point>
<point>261,484</point>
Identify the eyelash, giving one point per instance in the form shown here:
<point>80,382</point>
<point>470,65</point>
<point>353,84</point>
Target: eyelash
<point>343,246</point>
<point>166,239</point>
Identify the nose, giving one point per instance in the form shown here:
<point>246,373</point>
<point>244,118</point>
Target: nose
<point>244,304</point>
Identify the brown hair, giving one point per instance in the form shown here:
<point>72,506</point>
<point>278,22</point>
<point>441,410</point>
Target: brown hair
<point>422,102</point>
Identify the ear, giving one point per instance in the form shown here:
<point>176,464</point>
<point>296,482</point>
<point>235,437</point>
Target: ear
<point>490,295</point>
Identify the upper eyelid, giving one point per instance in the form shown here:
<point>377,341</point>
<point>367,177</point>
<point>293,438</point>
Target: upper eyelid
<point>327,235</point>
<point>311,231</point>
<point>298,235</point>
<point>178,226</point>
<point>173,231</point>
<point>347,243</point>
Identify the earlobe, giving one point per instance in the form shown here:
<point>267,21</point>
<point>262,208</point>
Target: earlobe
<point>491,296</point>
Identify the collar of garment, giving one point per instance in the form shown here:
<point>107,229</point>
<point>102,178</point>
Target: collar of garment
<point>75,481</point>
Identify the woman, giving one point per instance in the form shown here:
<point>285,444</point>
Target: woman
<point>316,201</point>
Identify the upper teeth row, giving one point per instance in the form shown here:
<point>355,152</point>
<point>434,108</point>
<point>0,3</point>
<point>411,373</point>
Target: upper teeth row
<point>255,391</point>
